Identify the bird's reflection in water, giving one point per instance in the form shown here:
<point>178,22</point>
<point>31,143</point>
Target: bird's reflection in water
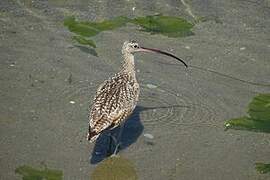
<point>115,167</point>
<point>133,128</point>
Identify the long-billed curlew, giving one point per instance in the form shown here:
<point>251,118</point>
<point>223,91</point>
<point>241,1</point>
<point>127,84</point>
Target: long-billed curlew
<point>117,97</point>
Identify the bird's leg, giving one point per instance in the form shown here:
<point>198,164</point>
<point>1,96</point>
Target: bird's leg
<point>111,143</point>
<point>118,140</point>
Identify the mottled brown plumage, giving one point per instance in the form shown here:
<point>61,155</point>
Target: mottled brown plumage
<point>117,97</point>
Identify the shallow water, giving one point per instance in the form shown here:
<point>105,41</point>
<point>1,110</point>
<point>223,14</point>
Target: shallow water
<point>177,130</point>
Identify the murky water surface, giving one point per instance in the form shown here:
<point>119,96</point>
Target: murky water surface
<point>54,55</point>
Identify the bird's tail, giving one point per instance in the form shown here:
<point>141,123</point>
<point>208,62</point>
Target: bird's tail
<point>92,135</point>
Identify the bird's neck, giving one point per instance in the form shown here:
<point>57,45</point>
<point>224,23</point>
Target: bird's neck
<point>128,64</point>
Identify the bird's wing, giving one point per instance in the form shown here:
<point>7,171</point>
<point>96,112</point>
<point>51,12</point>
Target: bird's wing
<point>110,105</point>
<point>104,122</point>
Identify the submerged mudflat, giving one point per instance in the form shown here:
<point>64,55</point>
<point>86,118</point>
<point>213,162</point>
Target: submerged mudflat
<point>50,72</point>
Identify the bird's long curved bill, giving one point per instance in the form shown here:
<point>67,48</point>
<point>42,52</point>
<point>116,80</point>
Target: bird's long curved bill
<point>144,49</point>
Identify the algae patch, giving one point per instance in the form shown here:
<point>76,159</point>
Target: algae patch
<point>158,24</point>
<point>258,118</point>
<point>262,168</point>
<point>30,173</point>
<point>165,25</point>
<point>84,41</point>
<point>114,168</point>
<point>84,29</point>
<point>88,28</point>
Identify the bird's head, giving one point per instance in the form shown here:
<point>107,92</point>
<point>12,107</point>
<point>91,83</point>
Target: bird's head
<point>131,47</point>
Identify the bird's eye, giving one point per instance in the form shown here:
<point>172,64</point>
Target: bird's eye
<point>135,46</point>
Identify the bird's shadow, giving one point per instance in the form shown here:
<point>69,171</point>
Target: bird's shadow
<point>133,128</point>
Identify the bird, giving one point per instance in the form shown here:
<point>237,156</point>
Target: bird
<point>117,97</point>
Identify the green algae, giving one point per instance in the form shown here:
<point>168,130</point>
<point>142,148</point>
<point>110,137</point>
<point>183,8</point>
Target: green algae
<point>258,118</point>
<point>84,29</point>
<point>108,24</point>
<point>262,168</point>
<point>165,25</point>
<point>84,41</point>
<point>80,28</point>
<point>30,173</point>
<point>158,24</point>
<point>245,123</point>
<point>259,108</point>
<point>114,168</point>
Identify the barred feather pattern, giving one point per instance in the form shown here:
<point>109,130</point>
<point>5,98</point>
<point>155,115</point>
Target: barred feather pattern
<point>114,101</point>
